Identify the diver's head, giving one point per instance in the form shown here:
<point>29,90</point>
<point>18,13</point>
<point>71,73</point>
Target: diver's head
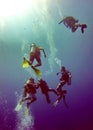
<point>77,20</point>
<point>63,68</point>
<point>31,79</point>
<point>33,44</point>
<point>40,80</point>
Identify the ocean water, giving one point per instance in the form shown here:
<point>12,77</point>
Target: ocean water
<point>39,23</point>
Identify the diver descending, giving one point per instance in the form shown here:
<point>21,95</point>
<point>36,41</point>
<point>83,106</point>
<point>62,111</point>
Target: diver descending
<point>45,89</point>
<point>72,23</point>
<point>29,89</point>
<point>35,53</point>
<point>65,78</point>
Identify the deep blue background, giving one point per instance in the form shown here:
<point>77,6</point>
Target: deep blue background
<point>73,50</point>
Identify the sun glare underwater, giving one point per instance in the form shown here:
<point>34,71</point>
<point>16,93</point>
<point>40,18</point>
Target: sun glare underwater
<point>23,22</point>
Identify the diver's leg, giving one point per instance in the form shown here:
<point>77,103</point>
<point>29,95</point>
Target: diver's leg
<point>64,100</point>
<point>25,99</point>
<point>60,85</point>
<point>47,98</point>
<point>61,95</point>
<point>83,26</point>
<point>31,58</point>
<point>53,90</point>
<point>32,99</point>
<point>58,100</point>
<point>74,28</point>
<point>38,61</point>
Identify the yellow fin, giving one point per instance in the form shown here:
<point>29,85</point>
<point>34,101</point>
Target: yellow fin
<point>27,111</point>
<point>25,63</point>
<point>18,107</point>
<point>37,71</point>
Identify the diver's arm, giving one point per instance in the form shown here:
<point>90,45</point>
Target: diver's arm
<point>60,21</point>
<point>69,73</point>
<point>58,73</point>
<point>43,51</point>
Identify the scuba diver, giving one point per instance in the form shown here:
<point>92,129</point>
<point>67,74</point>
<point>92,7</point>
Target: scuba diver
<point>69,21</point>
<point>29,92</point>
<point>65,78</point>
<point>72,23</point>
<point>35,53</point>
<point>45,89</point>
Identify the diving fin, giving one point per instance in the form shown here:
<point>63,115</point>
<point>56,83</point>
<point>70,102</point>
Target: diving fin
<point>27,112</point>
<point>37,71</point>
<point>18,107</point>
<point>25,63</point>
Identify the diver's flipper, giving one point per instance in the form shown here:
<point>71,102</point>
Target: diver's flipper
<point>27,112</point>
<point>83,26</point>
<point>25,63</point>
<point>55,103</point>
<point>37,71</point>
<point>18,107</point>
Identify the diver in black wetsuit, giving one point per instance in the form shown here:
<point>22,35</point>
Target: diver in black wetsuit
<point>65,79</point>
<point>45,89</point>
<point>30,89</point>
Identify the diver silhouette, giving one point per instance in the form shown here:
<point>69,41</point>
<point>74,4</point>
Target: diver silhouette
<point>45,89</point>
<point>35,53</point>
<point>65,79</point>
<point>29,89</point>
<point>72,23</point>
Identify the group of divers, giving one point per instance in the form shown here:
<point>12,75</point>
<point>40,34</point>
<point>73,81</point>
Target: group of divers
<point>30,87</point>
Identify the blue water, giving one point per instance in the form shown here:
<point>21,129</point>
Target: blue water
<point>73,50</point>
